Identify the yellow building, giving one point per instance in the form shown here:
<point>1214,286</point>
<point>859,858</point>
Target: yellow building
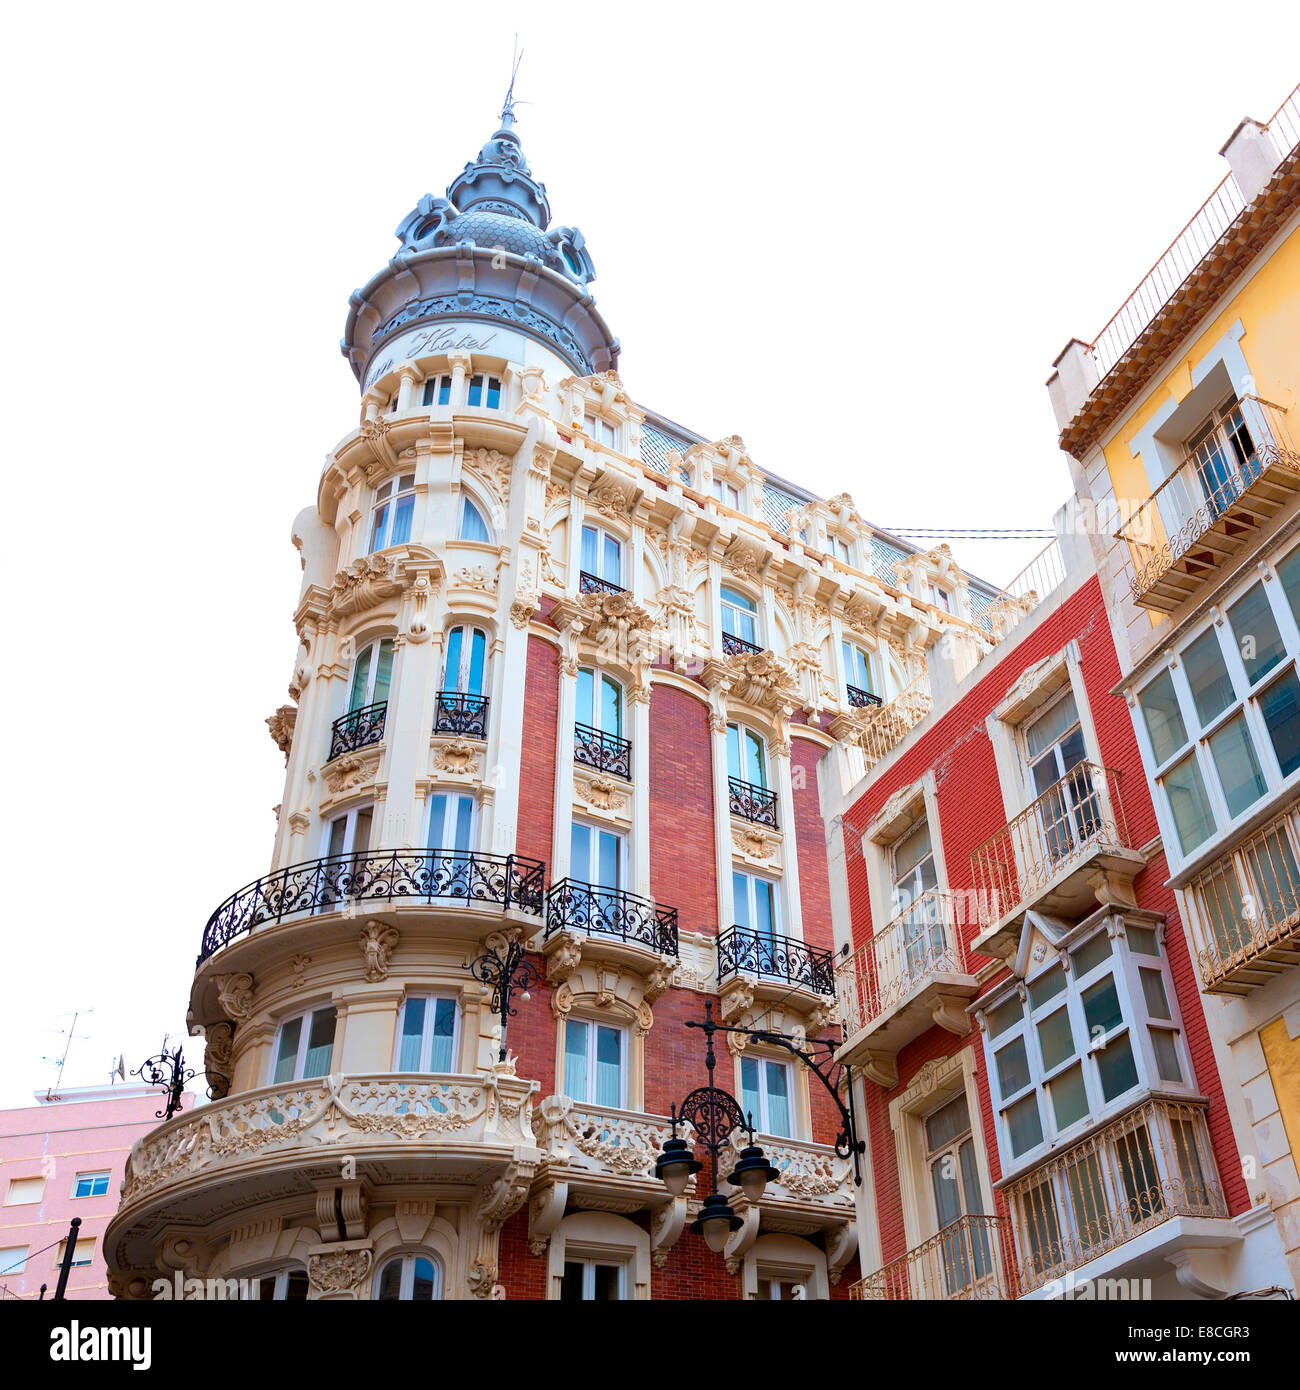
<point>1180,420</point>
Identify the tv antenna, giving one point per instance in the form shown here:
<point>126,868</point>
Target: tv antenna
<point>508,107</point>
<point>68,1034</point>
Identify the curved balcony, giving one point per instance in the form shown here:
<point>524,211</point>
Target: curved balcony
<point>752,803</point>
<point>737,646</point>
<point>359,728</point>
<point>745,952</point>
<point>200,1164</point>
<point>605,752</point>
<point>594,584</point>
<point>588,909</point>
<point>401,876</point>
<point>862,699</point>
<point>457,713</point>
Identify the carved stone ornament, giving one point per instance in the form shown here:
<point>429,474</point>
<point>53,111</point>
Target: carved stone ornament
<point>217,1058</point>
<point>763,679</point>
<point>475,577</point>
<point>492,465</point>
<point>612,499</point>
<point>339,1271</point>
<point>364,584</point>
<point>350,771</point>
<point>523,609</point>
<point>299,966</point>
<point>601,793</point>
<point>281,725</point>
<point>459,758</point>
<point>235,994</point>
<point>377,941</point>
<point>481,1279</point>
<point>754,841</point>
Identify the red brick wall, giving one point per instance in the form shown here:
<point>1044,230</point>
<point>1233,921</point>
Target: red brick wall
<point>533,832</point>
<point>970,809</point>
<point>683,865</point>
<point>810,838</point>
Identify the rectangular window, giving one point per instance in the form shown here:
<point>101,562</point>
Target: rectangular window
<point>602,555</point>
<point>23,1192</point>
<point>595,1063</point>
<point>857,668</point>
<point>765,1095</point>
<point>755,903</point>
<point>83,1252</point>
<point>1280,706</point>
<point>601,430</point>
<point>1258,639</point>
<point>1237,766</point>
<point>1208,677</point>
<point>91,1184</point>
<point>1164,720</point>
<point>305,1047</point>
<point>437,390</point>
<point>427,1039</point>
<point>390,516</point>
<point>1188,804</point>
<point>738,618</point>
<point>593,1281</point>
<point>484,390</point>
<point>596,857</point>
<point>13,1259</point>
<point>726,493</point>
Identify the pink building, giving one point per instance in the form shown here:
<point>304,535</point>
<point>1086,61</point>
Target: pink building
<point>61,1158</point>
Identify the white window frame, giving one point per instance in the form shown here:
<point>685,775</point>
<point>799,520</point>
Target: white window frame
<point>870,660</point>
<point>589,1263</point>
<point>488,382</point>
<point>601,430</point>
<point>94,1174</point>
<point>593,1027</point>
<point>763,1119</point>
<point>431,1000</point>
<point>1245,703</point>
<point>778,915</point>
<point>745,755</point>
<point>602,536</point>
<point>348,845</point>
<point>406,1285</point>
<point>1123,964</point>
<point>594,717</point>
<point>375,649</point>
<point>304,1044</point>
<point>729,494</point>
<point>77,1250</point>
<point>841,548</point>
<point>387,496</point>
<point>280,1289</point>
<point>461,684</point>
<point>592,867</point>
<point>13,1259</point>
<point>725,606</point>
<point>436,390</point>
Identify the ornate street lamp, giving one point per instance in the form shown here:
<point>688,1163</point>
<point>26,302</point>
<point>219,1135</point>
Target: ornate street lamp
<point>506,974</point>
<point>169,1071</point>
<point>716,1116</point>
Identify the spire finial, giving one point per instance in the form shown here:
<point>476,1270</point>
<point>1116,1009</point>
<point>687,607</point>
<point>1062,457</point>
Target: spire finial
<point>508,107</point>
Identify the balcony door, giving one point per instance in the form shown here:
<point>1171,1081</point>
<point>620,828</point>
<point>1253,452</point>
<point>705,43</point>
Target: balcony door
<point>965,1256</point>
<point>921,942</point>
<point>600,702</point>
<point>1068,809</point>
<point>1223,457</point>
<point>739,616</point>
<point>451,840</point>
<point>602,556</point>
<point>372,674</point>
<point>596,857</point>
<point>465,667</point>
<point>347,838</point>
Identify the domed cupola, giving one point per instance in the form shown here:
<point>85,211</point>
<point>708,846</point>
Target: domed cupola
<point>486,253</point>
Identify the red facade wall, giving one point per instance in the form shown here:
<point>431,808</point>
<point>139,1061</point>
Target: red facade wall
<point>533,833</point>
<point>970,809</point>
<point>810,839</point>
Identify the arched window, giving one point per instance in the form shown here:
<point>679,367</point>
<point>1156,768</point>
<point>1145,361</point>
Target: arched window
<point>465,668</point>
<point>372,674</point>
<point>602,561</point>
<point>472,525</point>
<point>747,776</point>
<point>598,731</point>
<point>390,516</point>
<point>739,619</point>
<point>409,1279</point>
<point>280,1285</point>
<point>863,687</point>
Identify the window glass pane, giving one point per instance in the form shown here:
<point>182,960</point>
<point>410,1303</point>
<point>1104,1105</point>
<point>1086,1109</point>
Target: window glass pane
<point>494,392</point>
<point>778,1100</point>
<point>1163,720</point>
<point>1255,629</point>
<point>970,1180</point>
<point>590,545</point>
<point>571,1283</point>
<point>755,764</point>
<point>1048,728</point>
<point>403,511</point>
<point>464,823</point>
<point>1101,1007</point>
<point>611,707</point>
<point>1208,676</point>
<point>580,852</point>
<point>1142,940</point>
<point>608,876</point>
<point>1166,1050</point>
<point>1091,954</point>
<point>1056,1039</point>
<point>947,1195</point>
<point>477,661</point>
<point>613,568</point>
<point>475,393</point>
<point>1116,1067</point>
<point>412,1034</point>
<point>575,1060</point>
<point>609,1065</point>
<point>320,1044</point>
<point>910,850</point>
<point>360,679</point>
<point>764,908</point>
<point>605,1284</point>
<point>947,1123</point>
<point>1153,990</point>
<point>1289,573</point>
<point>1280,705</point>
<point>749,1099</point>
<point>377,528</point>
<point>1013,1067</point>
<point>1237,765</point>
<point>444,1031</point>
<point>472,525</point>
<point>1004,1016</point>
<point>733,752</point>
<point>1069,1098</point>
<point>1188,803</point>
<point>1024,1125</point>
<point>287,1057</point>
<point>1046,986</point>
<point>422,1287</point>
<point>451,675</point>
<point>390,1282</point>
<point>383,672</point>
<point>586,697</point>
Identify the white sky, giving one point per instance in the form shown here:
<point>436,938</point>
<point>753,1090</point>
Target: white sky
<point>857,239</point>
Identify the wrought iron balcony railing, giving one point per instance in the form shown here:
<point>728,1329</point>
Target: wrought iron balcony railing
<point>752,803</point>
<point>862,699</point>
<point>359,728</point>
<point>1075,818</point>
<point>970,1260</point>
<point>745,952</point>
<point>1150,1165</point>
<point>595,911</point>
<point>921,942</point>
<point>1211,504</point>
<point>594,584</point>
<point>737,646</point>
<point>607,752</point>
<point>1246,921</point>
<point>404,876</point>
<point>458,713</point>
